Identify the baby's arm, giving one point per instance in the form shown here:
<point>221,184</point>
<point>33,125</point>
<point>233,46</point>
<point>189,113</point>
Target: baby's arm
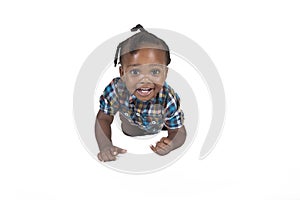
<point>108,152</point>
<point>175,139</point>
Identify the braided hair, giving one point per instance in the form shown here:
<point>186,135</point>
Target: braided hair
<point>136,42</point>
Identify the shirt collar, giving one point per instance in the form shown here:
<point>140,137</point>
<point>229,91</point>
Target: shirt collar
<point>132,98</point>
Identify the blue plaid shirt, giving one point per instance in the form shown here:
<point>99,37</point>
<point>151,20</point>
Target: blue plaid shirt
<point>152,115</point>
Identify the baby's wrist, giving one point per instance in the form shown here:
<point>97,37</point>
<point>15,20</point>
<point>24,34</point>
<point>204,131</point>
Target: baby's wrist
<point>105,146</point>
<point>175,142</point>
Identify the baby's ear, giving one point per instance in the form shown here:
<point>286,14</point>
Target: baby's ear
<point>167,69</point>
<point>121,71</point>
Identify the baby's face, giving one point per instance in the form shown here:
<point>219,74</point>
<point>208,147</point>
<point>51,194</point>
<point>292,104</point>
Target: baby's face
<point>144,72</point>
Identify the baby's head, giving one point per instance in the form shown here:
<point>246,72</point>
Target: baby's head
<point>143,60</point>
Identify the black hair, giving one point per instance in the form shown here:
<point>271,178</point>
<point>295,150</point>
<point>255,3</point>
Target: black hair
<point>135,42</point>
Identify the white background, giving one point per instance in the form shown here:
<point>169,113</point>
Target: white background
<point>255,46</point>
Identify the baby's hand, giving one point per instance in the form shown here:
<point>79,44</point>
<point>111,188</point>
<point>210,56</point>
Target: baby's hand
<point>110,153</point>
<point>163,147</point>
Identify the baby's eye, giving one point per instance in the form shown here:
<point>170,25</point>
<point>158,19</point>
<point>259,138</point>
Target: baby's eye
<point>134,72</point>
<point>155,71</point>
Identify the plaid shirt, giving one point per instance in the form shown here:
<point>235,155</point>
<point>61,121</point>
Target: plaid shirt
<point>164,109</point>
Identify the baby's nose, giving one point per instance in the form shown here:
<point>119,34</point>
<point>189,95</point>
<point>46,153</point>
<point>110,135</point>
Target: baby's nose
<point>145,79</point>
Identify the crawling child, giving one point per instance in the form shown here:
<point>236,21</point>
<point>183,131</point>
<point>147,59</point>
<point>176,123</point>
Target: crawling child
<point>145,102</point>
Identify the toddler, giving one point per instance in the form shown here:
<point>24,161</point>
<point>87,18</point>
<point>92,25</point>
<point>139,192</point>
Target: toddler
<point>145,102</point>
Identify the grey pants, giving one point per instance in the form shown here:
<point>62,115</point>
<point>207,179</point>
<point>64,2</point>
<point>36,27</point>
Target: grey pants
<point>132,130</point>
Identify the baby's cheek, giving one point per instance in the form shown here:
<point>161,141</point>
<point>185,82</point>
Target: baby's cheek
<point>130,87</point>
<point>159,80</point>
<point>159,84</point>
<point>157,89</point>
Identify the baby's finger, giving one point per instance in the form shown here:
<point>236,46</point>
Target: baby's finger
<point>153,148</point>
<point>167,141</point>
<point>110,156</point>
<point>162,139</point>
<point>120,150</point>
<point>104,157</point>
<point>100,157</point>
<point>161,151</point>
<point>158,142</point>
<point>162,146</point>
<point>114,151</point>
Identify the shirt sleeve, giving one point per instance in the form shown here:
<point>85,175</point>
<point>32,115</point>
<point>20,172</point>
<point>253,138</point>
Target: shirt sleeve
<point>174,116</point>
<point>109,103</point>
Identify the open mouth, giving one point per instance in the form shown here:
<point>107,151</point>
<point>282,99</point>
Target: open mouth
<point>144,91</point>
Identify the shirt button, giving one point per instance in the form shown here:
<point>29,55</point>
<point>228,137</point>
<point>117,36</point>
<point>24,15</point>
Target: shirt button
<point>138,114</point>
<point>153,122</point>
